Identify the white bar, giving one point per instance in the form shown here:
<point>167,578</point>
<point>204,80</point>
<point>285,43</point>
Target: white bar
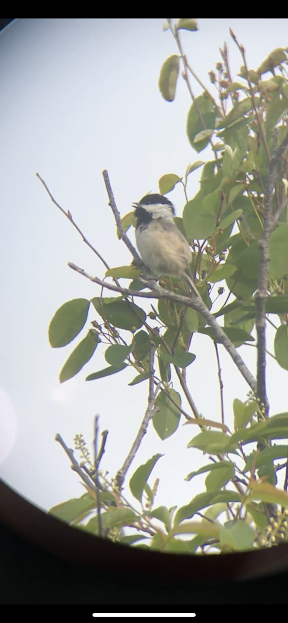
<point>143,614</point>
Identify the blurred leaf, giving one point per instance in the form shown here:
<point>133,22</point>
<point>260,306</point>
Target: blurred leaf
<point>106,372</point>
<point>70,510</point>
<point>238,110</point>
<point>117,353</point>
<point>129,539</point>
<point>166,418</point>
<point>194,166</point>
<point>192,320</point>
<point>168,182</point>
<point>187,23</point>
<point>278,251</point>
<point>161,513</point>
<point>140,477</point>
<point>203,135</point>
<point>240,286</point>
<point>281,346</point>
<point>239,536</point>
<point>243,412</point>
<point>202,500</point>
<point>223,271</point>
<point>195,125</point>
<point>206,529</point>
<point>208,468</point>
<point>276,57</point>
<point>274,428</point>
<point>67,322</point>
<point>248,261</point>
<point>198,222</point>
<point>234,192</point>
<point>256,459</point>
<point>139,378</point>
<point>121,314</point>
<point>175,546</point>
<point>182,360</point>
<point>79,357</point>
<point>217,479</point>
<point>237,336</point>
<point>257,512</point>
<point>210,442</point>
<point>125,272</point>
<point>141,345</point>
<point>229,219</point>
<point>168,77</point>
<point>265,492</point>
<point>127,221</point>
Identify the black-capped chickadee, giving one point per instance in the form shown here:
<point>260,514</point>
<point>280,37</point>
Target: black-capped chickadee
<point>162,247</point>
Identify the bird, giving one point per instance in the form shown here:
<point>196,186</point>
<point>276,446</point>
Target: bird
<point>161,245</point>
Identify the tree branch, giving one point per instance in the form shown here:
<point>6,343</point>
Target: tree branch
<point>195,303</point>
<point>270,221</point>
<point>96,466</point>
<point>221,386</point>
<point>120,476</point>
<point>75,465</point>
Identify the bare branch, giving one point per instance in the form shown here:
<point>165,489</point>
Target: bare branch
<point>117,216</point>
<point>221,386</point>
<point>270,221</point>
<point>195,303</point>
<point>74,464</point>
<point>96,466</point>
<point>120,476</point>
<point>69,216</point>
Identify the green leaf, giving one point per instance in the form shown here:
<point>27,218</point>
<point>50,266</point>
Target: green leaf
<point>210,441</point>
<point>168,77</point>
<point>187,23</point>
<point>67,322</point>
<point>281,346</point>
<point>192,320</point>
<point>202,135</point>
<point>239,536</point>
<point>202,500</point>
<point>182,360</point>
<point>166,418</point>
<point>118,517</point>
<point>161,513</point>
<point>208,468</point>
<point>237,336</point>
<point>275,58</point>
<point>221,273</point>
<point>106,372</point>
<point>237,111</point>
<point>117,353</point>
<point>139,378</point>
<point>198,222</point>
<point>241,286</point>
<point>70,510</point>
<point>168,182</point>
<point>243,412</point>
<point>234,192</point>
<point>257,512</point>
<point>194,166</point>
<point>272,453</point>
<point>278,251</point>
<point>274,428</point>
<point>127,221</point>
<point>277,305</point>
<point>229,219</point>
<point>141,345</point>
<point>129,539</point>
<point>140,477</point>
<point>121,314</point>
<point>124,272</point>
<point>265,492</point>
<point>218,478</point>
<point>80,356</point>
<point>248,261</point>
<point>195,125</point>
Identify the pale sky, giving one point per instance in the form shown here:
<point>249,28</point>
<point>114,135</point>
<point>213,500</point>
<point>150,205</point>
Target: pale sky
<point>78,96</point>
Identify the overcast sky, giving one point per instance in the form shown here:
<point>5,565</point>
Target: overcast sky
<point>78,96</point>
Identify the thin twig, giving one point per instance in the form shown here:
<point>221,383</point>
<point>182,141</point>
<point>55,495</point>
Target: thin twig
<point>75,465</point>
<point>259,121</point>
<point>194,303</point>
<point>120,476</point>
<point>117,216</point>
<point>221,386</point>
<point>186,391</point>
<point>69,216</point>
<point>96,465</point>
<point>102,447</point>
